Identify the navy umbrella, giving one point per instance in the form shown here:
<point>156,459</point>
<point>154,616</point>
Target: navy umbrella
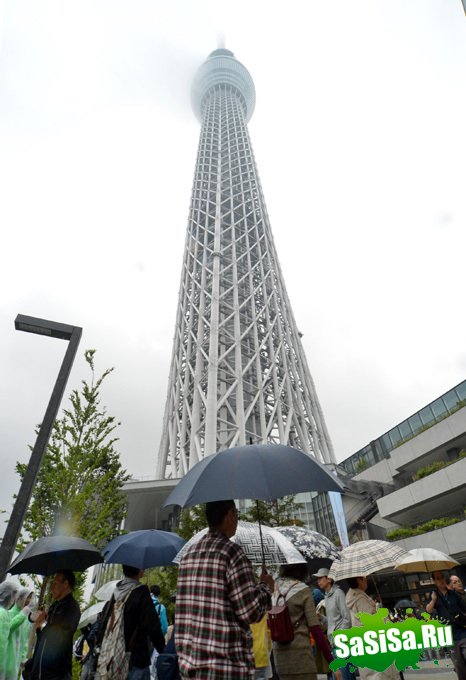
<point>258,472</point>
<point>144,549</point>
<point>50,554</point>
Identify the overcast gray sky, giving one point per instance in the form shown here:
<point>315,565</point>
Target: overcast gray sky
<point>359,135</point>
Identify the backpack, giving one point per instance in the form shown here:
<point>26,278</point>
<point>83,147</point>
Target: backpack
<point>167,663</point>
<point>90,661</point>
<point>113,661</point>
<point>78,647</point>
<point>158,609</point>
<point>279,621</point>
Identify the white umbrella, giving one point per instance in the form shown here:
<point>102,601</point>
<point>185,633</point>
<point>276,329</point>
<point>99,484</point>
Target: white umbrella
<point>277,548</point>
<point>364,558</point>
<point>425,560</point>
<point>90,614</point>
<point>105,592</point>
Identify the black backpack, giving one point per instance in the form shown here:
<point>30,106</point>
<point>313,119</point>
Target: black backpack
<point>167,662</point>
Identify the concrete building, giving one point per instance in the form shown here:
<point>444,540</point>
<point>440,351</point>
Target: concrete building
<point>411,479</point>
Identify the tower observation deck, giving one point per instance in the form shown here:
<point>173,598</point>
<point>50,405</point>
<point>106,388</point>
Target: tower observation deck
<point>238,370</point>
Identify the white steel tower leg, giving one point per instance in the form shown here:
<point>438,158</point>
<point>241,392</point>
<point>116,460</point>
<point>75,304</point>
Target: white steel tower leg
<point>238,370</point>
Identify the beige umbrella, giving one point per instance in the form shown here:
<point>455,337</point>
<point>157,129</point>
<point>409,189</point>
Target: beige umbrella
<point>364,558</point>
<point>425,560</point>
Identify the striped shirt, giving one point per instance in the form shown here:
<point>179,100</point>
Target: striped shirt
<point>217,597</point>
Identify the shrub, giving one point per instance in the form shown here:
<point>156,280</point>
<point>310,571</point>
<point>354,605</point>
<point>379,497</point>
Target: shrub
<point>361,465</point>
<point>432,525</point>
<point>430,469</point>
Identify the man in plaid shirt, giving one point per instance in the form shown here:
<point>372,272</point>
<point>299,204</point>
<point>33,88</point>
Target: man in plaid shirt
<point>217,597</point>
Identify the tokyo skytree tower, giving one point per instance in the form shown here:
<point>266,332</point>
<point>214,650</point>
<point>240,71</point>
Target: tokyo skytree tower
<point>238,371</point>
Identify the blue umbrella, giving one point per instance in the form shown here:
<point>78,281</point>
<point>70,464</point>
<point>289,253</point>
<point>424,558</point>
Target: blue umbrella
<point>144,549</point>
<point>259,472</point>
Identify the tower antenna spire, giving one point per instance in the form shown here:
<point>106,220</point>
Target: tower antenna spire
<point>221,40</point>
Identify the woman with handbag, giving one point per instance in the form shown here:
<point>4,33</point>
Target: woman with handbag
<point>294,660</point>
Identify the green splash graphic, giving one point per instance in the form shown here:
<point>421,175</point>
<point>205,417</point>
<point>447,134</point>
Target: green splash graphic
<point>379,642</point>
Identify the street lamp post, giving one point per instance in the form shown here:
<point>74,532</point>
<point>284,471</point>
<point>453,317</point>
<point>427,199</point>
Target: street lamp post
<point>31,324</point>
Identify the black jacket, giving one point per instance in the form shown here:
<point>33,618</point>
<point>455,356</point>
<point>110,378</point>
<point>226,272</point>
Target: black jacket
<point>142,627</point>
<point>52,653</point>
<point>451,609</point>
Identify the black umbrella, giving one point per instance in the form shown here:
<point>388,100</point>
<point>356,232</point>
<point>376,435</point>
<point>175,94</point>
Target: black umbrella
<point>260,472</point>
<point>50,554</point>
<point>405,604</point>
<point>256,471</point>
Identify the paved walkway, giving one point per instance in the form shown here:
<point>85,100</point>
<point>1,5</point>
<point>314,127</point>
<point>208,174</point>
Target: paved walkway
<point>427,671</point>
<point>430,671</point>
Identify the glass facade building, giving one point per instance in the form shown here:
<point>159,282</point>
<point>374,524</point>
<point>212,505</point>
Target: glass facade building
<point>380,448</point>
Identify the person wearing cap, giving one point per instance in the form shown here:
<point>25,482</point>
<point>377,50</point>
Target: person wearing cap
<point>337,612</point>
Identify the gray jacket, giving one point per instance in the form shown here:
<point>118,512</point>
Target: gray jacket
<point>338,614</point>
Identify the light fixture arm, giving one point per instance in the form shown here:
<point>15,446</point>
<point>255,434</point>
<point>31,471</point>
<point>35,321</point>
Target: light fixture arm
<point>23,498</point>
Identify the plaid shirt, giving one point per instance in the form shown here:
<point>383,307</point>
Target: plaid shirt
<point>217,597</point>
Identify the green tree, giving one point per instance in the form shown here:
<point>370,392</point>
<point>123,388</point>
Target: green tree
<point>281,512</point>
<point>166,578</point>
<point>78,489</point>
<point>192,520</point>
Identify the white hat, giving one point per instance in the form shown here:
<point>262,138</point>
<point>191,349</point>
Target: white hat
<point>322,572</point>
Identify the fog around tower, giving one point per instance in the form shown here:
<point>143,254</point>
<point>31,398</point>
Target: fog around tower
<point>360,142</point>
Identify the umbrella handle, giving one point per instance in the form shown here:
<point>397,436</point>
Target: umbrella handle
<point>43,589</point>
<point>376,589</point>
<point>260,535</point>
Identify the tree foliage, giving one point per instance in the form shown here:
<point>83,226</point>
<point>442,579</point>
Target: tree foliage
<point>166,578</point>
<point>78,489</point>
<point>279,513</point>
<point>192,520</point>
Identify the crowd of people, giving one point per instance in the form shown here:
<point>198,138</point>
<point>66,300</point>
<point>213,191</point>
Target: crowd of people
<point>222,626</point>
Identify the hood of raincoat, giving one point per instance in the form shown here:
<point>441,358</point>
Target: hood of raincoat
<point>8,591</point>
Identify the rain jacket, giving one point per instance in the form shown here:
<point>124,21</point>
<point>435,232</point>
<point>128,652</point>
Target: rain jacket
<point>18,621</point>
<point>8,624</point>
<point>261,643</point>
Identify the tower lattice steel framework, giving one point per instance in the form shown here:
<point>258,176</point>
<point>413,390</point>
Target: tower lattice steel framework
<point>238,370</point>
